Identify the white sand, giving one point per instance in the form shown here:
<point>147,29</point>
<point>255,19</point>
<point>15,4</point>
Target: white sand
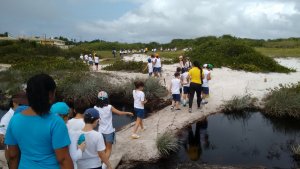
<point>225,84</point>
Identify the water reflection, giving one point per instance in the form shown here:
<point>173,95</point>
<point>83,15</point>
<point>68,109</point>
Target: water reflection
<point>197,140</point>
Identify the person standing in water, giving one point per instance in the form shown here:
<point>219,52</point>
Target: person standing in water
<point>45,142</point>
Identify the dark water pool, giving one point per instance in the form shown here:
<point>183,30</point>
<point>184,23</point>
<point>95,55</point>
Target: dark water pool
<point>254,140</point>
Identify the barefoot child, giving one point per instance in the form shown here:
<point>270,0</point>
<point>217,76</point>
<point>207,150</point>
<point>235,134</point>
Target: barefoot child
<point>106,126</point>
<point>139,102</point>
<point>175,90</point>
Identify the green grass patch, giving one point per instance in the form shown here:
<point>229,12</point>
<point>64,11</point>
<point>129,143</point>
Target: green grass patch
<point>130,66</point>
<point>284,101</point>
<point>279,52</point>
<point>236,55</point>
<point>167,143</point>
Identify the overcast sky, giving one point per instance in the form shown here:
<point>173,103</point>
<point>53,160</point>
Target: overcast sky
<point>150,20</point>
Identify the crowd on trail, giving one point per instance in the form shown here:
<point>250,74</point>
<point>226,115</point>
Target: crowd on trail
<point>39,132</point>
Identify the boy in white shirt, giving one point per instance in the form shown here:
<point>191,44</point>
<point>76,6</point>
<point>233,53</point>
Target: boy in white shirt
<point>139,107</point>
<point>175,90</point>
<point>185,81</point>
<point>94,153</point>
<point>205,87</point>
<point>96,58</point>
<point>77,123</point>
<point>150,67</point>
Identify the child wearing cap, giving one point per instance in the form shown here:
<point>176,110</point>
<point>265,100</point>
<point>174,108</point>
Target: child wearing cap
<point>205,86</point>
<point>62,109</point>
<point>175,90</point>
<point>150,67</point>
<point>94,154</point>
<point>106,126</point>
<point>139,108</point>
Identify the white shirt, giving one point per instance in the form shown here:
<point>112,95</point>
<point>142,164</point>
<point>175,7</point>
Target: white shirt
<point>75,152</point>
<point>176,85</point>
<point>81,57</point>
<point>75,124</point>
<point>5,121</point>
<point>184,77</point>
<point>188,64</point>
<point>90,59</point>
<point>205,80</point>
<point>158,63</point>
<point>138,97</point>
<point>94,143</point>
<point>150,67</point>
<point>86,57</point>
<point>96,59</point>
<point>106,126</point>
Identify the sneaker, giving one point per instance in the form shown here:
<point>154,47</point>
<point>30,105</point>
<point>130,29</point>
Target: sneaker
<point>135,136</point>
<point>190,110</point>
<point>104,166</point>
<point>172,107</point>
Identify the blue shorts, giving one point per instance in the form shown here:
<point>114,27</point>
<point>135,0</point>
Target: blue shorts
<point>205,90</point>
<point>157,69</point>
<point>91,62</point>
<point>139,113</point>
<point>186,90</point>
<point>109,138</point>
<point>176,97</point>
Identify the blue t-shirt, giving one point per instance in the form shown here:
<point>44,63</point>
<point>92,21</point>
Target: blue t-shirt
<point>37,138</point>
<point>20,109</point>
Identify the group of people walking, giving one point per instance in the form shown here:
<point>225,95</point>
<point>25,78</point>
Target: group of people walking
<point>154,65</point>
<point>38,132</point>
<point>91,60</point>
<point>190,79</point>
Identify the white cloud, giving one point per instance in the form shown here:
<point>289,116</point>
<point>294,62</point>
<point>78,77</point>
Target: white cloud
<point>163,20</point>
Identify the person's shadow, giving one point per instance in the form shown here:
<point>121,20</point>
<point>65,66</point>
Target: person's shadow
<point>193,145</point>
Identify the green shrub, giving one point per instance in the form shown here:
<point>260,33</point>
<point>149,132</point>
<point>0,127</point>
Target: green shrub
<point>235,54</point>
<point>239,104</point>
<point>296,151</point>
<point>283,101</point>
<point>131,66</point>
<point>167,143</point>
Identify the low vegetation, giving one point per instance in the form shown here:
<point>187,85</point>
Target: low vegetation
<point>131,66</point>
<point>284,101</point>
<point>239,104</point>
<point>296,151</point>
<point>232,53</point>
<point>280,52</point>
<point>167,143</point>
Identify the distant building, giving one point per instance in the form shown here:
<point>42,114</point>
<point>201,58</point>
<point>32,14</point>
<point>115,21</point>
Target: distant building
<point>39,40</point>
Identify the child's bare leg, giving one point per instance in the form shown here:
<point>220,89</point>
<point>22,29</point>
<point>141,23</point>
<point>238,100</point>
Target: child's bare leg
<point>177,104</point>
<point>141,124</point>
<point>136,126</point>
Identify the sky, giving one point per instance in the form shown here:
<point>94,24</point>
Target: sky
<point>150,20</point>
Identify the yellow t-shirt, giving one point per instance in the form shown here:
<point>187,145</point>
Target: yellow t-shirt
<point>194,74</point>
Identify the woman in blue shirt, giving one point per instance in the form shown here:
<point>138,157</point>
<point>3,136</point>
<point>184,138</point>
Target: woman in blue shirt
<point>38,139</point>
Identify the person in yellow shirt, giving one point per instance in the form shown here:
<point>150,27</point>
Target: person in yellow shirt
<point>196,76</point>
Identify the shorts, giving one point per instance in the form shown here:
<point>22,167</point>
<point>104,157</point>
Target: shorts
<point>186,89</point>
<point>205,90</point>
<point>140,113</point>
<point>96,64</point>
<point>157,69</point>
<point>109,138</point>
<point>90,62</point>
<point>176,97</point>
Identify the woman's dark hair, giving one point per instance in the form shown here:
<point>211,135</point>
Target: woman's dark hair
<point>139,84</point>
<point>178,69</point>
<point>197,64</point>
<point>88,119</point>
<point>80,105</point>
<point>102,103</point>
<point>38,89</point>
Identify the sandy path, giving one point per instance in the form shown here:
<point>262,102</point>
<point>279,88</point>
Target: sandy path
<point>225,84</point>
